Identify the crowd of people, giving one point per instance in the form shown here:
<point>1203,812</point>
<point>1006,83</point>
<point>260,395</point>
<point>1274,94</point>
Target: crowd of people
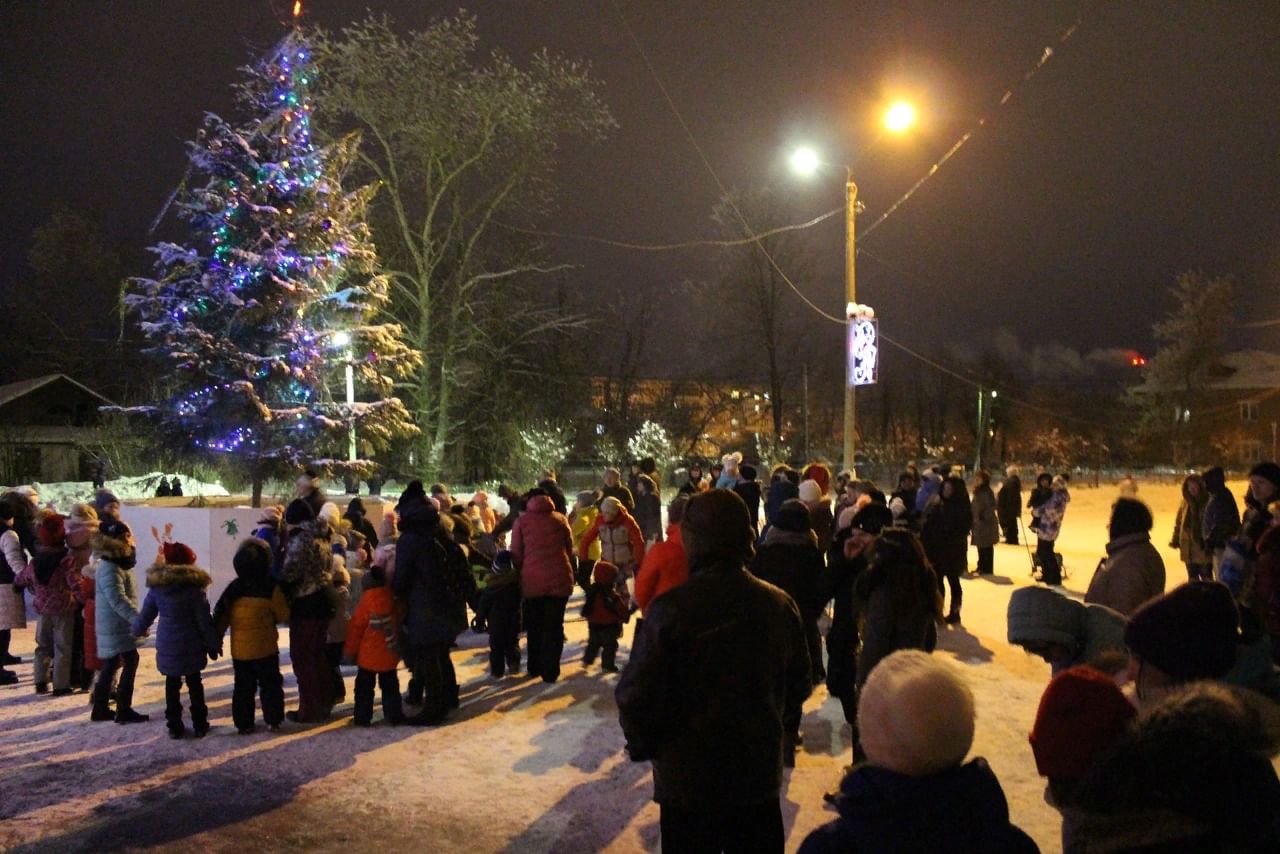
<point>730,600</point>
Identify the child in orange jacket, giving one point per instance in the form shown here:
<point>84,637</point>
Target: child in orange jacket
<point>372,640</point>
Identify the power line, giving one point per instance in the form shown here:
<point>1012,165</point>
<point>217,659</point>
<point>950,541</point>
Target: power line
<point>667,247</point>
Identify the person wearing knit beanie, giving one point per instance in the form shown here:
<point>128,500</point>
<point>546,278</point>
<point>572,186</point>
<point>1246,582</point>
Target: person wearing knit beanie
<point>51,530</point>
<point>915,715</point>
<point>819,474</point>
<point>1189,633</point>
<point>1083,716</point>
<point>106,504</point>
<point>810,491</point>
<point>916,720</point>
<point>1082,713</point>
<point>792,516</point>
<point>298,512</point>
<point>1269,473</point>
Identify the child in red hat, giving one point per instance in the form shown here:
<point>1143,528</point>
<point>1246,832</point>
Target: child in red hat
<point>176,594</point>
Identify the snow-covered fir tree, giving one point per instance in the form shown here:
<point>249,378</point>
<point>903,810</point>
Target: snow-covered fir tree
<point>255,319</point>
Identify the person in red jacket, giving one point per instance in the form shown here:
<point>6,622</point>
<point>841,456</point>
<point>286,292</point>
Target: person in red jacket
<point>372,640</point>
<point>621,542</point>
<point>605,611</point>
<point>665,564</point>
<point>542,547</point>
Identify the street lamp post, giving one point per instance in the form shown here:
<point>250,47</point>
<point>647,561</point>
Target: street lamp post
<point>897,119</point>
<point>851,299</point>
<point>343,339</point>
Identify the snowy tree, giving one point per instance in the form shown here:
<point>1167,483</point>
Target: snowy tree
<point>465,146</point>
<point>257,317</point>
<point>1190,343</point>
<point>544,446</point>
<point>651,440</point>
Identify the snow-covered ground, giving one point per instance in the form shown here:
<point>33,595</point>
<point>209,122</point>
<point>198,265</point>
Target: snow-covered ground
<point>523,767</point>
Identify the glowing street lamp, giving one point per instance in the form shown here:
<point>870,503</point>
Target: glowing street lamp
<point>806,161</point>
<point>899,117</point>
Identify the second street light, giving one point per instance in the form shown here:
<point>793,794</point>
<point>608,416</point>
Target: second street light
<point>806,161</point>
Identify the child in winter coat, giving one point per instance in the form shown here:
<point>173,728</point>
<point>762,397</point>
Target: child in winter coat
<point>79,528</point>
<point>384,556</point>
<point>605,611</point>
<point>52,582</point>
<point>251,607</point>
<point>176,594</point>
<point>373,641</point>
<point>115,608</point>
<point>499,608</point>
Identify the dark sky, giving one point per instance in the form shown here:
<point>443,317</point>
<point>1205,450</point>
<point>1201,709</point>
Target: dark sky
<point>1149,144</point>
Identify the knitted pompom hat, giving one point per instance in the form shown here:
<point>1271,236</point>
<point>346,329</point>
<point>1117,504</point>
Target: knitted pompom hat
<point>1081,715</point>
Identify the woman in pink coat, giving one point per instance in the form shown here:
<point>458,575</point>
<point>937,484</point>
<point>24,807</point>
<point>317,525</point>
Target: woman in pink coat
<point>542,547</point>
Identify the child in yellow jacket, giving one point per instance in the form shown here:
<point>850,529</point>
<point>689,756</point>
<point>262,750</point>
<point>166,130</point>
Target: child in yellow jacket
<point>251,607</point>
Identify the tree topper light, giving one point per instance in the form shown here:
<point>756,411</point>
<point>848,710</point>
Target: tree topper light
<point>864,344</point>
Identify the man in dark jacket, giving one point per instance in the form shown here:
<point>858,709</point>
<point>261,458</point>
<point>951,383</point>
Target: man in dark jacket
<point>1009,505</point>
<point>615,488</point>
<point>715,665</point>
<point>1221,515</point>
<point>430,625</point>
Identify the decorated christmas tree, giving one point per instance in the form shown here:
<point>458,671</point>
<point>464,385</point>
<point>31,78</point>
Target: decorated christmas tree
<point>257,320</point>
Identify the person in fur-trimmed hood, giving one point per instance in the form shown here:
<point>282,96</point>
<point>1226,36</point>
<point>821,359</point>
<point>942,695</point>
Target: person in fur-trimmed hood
<point>605,611</point>
<point>176,594</point>
<point>115,608</point>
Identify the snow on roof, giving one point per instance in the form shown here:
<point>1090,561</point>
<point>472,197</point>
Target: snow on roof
<point>1248,369</point>
<point>22,388</point>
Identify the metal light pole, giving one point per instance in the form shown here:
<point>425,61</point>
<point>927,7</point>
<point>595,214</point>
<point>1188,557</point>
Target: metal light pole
<point>343,339</point>
<point>351,399</point>
<point>851,299</point>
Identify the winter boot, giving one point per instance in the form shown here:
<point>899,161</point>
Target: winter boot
<point>129,716</point>
<point>42,687</point>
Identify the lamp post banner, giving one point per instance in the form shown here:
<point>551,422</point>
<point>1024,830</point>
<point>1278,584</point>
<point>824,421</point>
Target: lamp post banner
<point>863,351</point>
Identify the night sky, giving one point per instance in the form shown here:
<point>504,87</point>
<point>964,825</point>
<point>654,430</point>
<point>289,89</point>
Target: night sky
<point>1149,144</point>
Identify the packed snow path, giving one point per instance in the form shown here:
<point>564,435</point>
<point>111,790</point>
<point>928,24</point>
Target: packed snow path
<point>521,767</point>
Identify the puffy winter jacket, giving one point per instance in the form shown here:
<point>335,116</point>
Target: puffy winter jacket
<point>1051,513</point>
<point>791,561</point>
<point>116,607</point>
<point>1043,615</point>
<point>715,665</point>
<point>665,567</point>
<point>420,562</point>
<point>176,593</point>
<point>372,630</point>
<point>251,611</point>
<point>542,548</point>
<point>52,581</point>
<point>960,809</point>
<point>621,542</point>
<point>1221,513</point>
<point>580,525</point>
<point>1132,573</point>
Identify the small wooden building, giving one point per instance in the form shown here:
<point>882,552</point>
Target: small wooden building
<point>45,425</point>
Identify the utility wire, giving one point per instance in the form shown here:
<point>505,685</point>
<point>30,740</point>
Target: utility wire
<point>724,191</point>
<point>667,247</point>
<point>1045,56</point>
